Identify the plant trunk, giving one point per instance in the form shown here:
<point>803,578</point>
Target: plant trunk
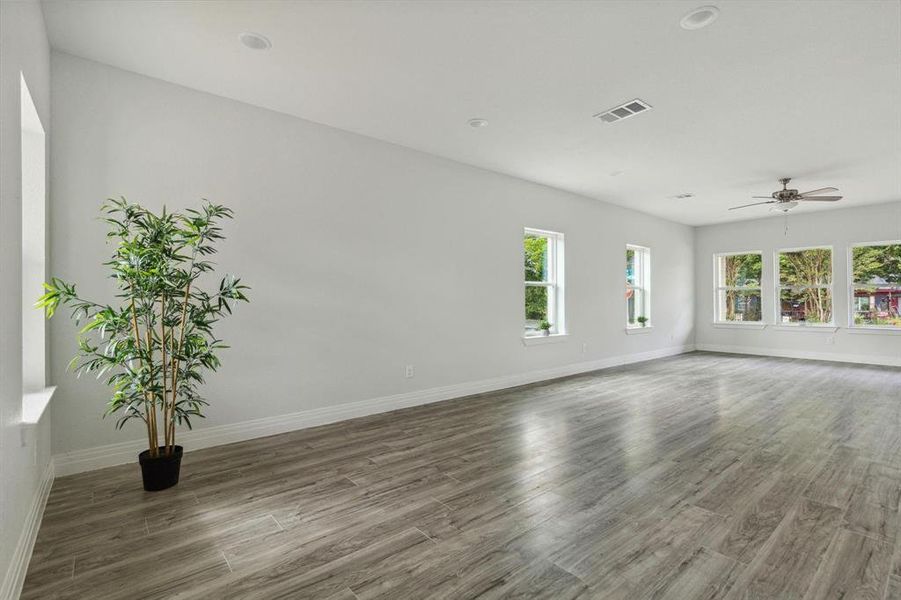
<point>176,354</point>
<point>151,426</point>
<point>165,395</point>
<point>154,449</point>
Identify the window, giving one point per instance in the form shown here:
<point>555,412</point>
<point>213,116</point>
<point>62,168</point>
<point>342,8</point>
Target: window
<point>543,251</point>
<point>638,286</point>
<point>33,241</point>
<point>738,295</point>
<point>35,395</point>
<point>876,285</point>
<point>805,286</point>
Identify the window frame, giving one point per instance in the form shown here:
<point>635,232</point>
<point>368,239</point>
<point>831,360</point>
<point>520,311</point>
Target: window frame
<point>851,285</point>
<point>718,287</point>
<point>778,287</point>
<point>554,282</point>
<point>643,283</point>
<point>33,169</point>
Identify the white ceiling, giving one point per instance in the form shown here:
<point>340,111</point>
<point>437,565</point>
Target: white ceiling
<point>805,89</point>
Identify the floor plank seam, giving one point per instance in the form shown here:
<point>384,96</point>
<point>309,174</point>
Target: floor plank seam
<point>875,538</point>
<point>556,564</point>
<point>431,539</point>
<point>279,525</point>
<point>441,503</point>
<point>227,564</point>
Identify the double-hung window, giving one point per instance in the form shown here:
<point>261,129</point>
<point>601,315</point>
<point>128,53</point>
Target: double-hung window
<point>805,286</point>
<point>543,253</point>
<point>738,293</point>
<point>638,286</point>
<point>876,285</point>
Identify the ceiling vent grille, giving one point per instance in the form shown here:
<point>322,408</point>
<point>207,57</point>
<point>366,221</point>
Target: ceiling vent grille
<point>623,111</point>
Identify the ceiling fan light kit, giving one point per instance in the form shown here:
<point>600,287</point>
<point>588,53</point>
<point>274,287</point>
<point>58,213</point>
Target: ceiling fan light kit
<point>786,199</point>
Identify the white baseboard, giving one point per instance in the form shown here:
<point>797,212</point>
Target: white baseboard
<point>888,361</point>
<point>126,452</point>
<point>11,586</point>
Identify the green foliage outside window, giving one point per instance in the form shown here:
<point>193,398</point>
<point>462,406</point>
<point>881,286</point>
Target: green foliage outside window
<point>806,277</point>
<point>877,285</point>
<point>535,254</point>
<point>742,271</point>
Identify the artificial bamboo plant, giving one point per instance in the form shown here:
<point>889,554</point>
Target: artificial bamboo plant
<point>153,347</point>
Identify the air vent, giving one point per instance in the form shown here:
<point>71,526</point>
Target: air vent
<point>623,111</point>
<point>682,196</point>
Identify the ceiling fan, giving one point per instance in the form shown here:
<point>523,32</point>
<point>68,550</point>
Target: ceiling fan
<point>786,199</point>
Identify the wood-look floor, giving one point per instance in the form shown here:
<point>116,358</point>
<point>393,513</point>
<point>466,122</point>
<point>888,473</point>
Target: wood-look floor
<point>700,476</point>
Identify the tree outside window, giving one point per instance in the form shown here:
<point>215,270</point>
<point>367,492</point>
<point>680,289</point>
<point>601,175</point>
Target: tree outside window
<point>543,269</point>
<point>805,286</point>
<point>876,285</point>
<point>738,287</point>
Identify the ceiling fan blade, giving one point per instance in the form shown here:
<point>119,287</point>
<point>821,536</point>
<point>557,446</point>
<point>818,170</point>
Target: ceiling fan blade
<point>821,199</point>
<point>762,197</point>
<point>755,204</point>
<point>819,191</point>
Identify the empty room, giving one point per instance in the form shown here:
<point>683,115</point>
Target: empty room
<point>450,299</point>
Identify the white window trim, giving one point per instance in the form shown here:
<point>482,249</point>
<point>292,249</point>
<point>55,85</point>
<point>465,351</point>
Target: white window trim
<point>810,328</point>
<point>34,404</point>
<point>638,329</point>
<point>540,340</point>
<point>645,287</point>
<point>717,287</point>
<point>33,195</point>
<point>556,276</point>
<point>865,329</point>
<point>777,309</point>
<point>740,324</point>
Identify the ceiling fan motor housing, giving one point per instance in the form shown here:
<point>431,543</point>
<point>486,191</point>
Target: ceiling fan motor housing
<point>785,195</point>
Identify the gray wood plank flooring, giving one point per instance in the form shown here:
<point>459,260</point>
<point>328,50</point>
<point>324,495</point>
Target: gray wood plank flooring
<point>700,476</point>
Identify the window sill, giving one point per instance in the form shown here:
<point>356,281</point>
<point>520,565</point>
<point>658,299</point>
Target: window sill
<point>538,340</point>
<point>739,325</point>
<point>638,330</point>
<point>808,328</point>
<point>34,405</point>
<point>874,330</point>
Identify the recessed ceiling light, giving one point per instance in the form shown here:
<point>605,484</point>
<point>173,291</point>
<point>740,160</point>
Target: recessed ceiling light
<point>700,17</point>
<point>478,123</point>
<point>255,41</point>
<point>616,173</point>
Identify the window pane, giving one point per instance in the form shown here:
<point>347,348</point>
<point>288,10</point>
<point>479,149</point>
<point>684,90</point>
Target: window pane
<point>635,305</point>
<point>877,305</point>
<point>535,258</point>
<point>536,306</point>
<point>805,267</point>
<point>740,305</point>
<point>630,267</point>
<point>741,270</point>
<point>877,265</point>
<point>806,306</point>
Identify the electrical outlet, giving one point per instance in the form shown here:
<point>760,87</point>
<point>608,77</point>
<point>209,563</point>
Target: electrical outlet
<point>408,371</point>
<point>830,340</point>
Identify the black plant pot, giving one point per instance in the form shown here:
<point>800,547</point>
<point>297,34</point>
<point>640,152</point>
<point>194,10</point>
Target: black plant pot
<point>162,471</point>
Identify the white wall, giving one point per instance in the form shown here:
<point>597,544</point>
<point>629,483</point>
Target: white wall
<point>839,229</point>
<point>363,256</point>
<point>24,449</point>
